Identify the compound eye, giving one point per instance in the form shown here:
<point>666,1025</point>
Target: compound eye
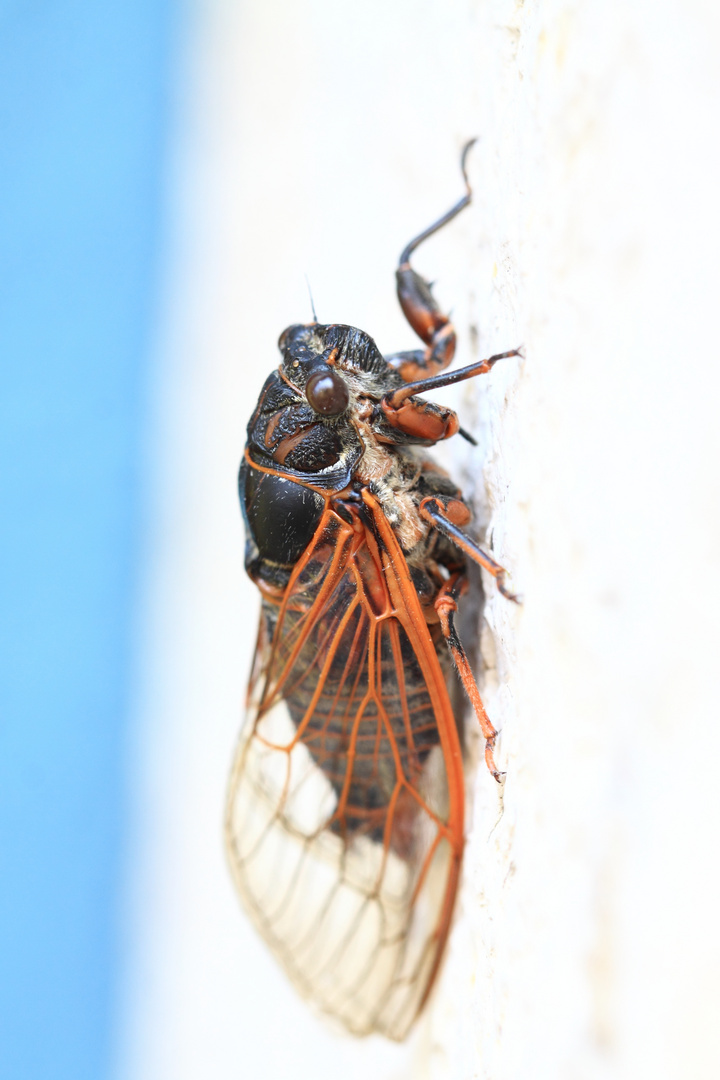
<point>327,392</point>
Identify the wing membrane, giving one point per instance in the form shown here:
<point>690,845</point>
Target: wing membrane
<point>344,817</point>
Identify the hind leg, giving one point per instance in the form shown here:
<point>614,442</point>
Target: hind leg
<point>446,606</point>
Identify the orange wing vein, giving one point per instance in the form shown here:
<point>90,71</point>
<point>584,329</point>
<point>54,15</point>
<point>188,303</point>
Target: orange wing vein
<point>344,819</point>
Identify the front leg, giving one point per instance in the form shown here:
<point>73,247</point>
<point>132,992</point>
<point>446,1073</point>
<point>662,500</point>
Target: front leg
<point>420,307</point>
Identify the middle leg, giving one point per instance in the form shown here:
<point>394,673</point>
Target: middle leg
<point>439,515</point>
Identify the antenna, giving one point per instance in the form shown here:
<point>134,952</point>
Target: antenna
<point>312,302</point>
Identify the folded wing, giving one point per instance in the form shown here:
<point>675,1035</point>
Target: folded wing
<point>344,816</point>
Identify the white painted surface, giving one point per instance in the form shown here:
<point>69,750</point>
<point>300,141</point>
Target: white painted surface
<point>316,137</point>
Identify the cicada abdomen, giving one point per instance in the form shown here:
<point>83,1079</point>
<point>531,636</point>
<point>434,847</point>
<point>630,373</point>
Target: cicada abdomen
<point>344,817</point>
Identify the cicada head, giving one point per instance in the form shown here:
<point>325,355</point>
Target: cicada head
<point>303,422</point>
<point>305,439</point>
<point>338,368</point>
<point>344,348</point>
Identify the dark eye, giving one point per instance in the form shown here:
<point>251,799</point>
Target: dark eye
<point>327,393</point>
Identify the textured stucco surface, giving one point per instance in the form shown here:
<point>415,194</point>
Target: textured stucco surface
<point>587,944</point>
<point>315,139</point>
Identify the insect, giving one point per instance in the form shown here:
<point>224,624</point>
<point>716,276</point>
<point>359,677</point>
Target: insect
<point>344,822</point>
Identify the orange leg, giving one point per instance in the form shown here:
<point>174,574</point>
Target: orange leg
<point>420,306</point>
<point>433,511</point>
<point>446,606</point>
<point>396,397</point>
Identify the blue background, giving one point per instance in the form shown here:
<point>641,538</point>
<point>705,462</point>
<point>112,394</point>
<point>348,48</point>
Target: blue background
<point>85,100</point>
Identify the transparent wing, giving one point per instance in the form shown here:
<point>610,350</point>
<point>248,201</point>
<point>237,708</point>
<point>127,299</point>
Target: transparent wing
<point>344,816</point>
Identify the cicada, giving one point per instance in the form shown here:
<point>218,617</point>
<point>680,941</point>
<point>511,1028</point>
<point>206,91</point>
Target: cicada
<point>344,821</point>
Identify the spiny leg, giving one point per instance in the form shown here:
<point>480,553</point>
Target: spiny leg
<point>420,307</point>
<point>434,511</point>
<point>446,606</point>
<point>421,419</point>
<point>395,398</point>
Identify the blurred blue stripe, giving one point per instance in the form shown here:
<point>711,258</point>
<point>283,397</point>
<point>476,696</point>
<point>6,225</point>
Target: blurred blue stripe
<point>84,93</point>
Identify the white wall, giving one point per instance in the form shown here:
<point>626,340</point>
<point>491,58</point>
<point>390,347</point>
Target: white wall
<point>316,137</point>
